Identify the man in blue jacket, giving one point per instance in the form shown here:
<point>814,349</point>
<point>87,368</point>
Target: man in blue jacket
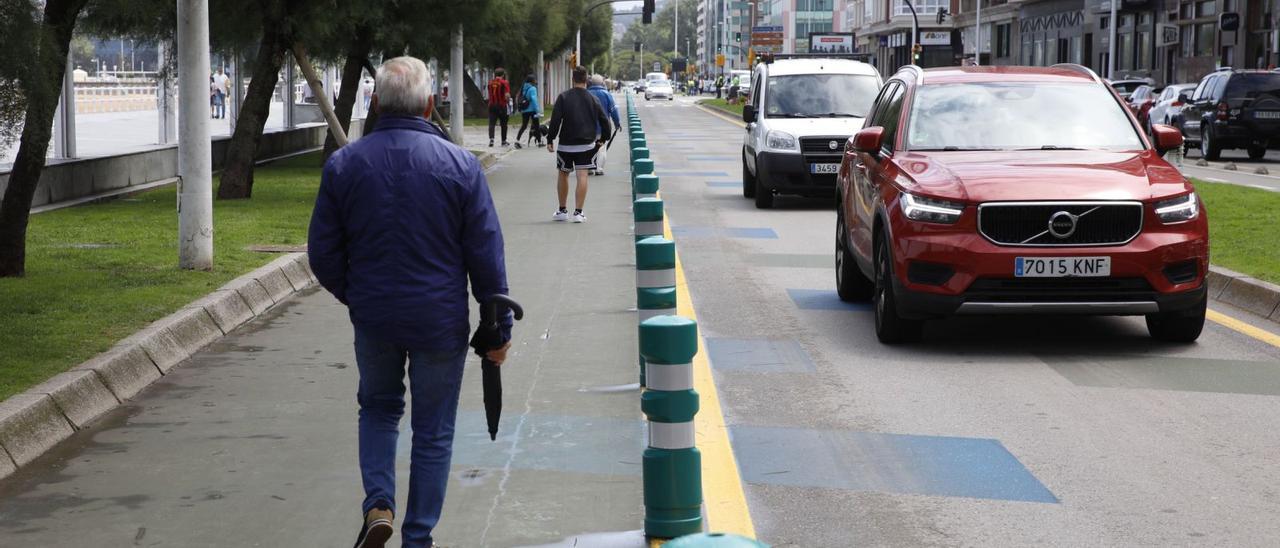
<point>402,222</point>
<point>611,108</point>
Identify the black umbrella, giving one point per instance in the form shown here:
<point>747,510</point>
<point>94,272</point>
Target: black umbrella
<point>489,337</point>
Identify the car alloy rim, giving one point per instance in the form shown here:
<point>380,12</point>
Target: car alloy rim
<point>839,252</point>
<point>881,283</point>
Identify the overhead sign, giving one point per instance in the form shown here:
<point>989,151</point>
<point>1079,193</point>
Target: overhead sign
<point>657,66</point>
<point>1229,21</point>
<point>766,29</point>
<point>1168,35</point>
<point>841,42</point>
<point>719,59</point>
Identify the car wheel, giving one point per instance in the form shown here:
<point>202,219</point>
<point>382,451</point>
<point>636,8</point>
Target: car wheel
<point>1257,152</point>
<point>1209,147</point>
<point>763,196</point>
<point>890,327</point>
<point>1183,326</point>
<point>748,180</point>
<point>851,284</point>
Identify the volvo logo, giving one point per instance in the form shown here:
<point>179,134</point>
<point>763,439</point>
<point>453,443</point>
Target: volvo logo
<point>1062,225</point>
<point>833,145</point>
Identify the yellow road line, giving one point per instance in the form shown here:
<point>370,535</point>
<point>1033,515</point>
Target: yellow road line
<point>722,116</point>
<point>722,494</point>
<point>1226,321</point>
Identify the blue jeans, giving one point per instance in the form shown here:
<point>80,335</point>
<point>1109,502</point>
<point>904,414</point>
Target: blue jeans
<point>435,379</point>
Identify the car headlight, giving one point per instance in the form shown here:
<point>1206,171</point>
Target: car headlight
<point>930,210</point>
<point>779,140</point>
<point>1177,210</point>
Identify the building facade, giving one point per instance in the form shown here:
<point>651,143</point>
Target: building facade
<point>1168,41</point>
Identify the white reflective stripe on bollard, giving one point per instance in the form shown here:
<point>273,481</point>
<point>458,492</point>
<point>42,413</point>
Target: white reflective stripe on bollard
<point>638,196</point>
<point>655,278</point>
<point>649,227</point>
<point>668,378</point>
<point>671,435</point>
<point>646,314</point>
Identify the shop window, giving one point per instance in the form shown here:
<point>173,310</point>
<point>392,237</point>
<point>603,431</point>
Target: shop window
<point>1187,42</point>
<point>1003,39</point>
<point>1144,51</point>
<point>1064,50</point>
<point>1124,53</point>
<point>1205,34</point>
<point>1207,8</point>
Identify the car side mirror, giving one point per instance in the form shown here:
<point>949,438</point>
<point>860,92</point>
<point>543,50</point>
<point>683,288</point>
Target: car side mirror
<point>749,114</point>
<point>1166,138</point>
<point>1182,98</point>
<point>869,140</point>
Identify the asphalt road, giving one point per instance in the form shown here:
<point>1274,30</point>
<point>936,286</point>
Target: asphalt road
<point>1234,166</point>
<point>991,432</point>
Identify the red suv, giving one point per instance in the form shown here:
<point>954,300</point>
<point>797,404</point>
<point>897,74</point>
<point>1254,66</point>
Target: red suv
<point>1016,190</point>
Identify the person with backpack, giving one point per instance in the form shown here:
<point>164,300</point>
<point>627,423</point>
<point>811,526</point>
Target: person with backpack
<point>611,108</point>
<point>530,111</point>
<point>499,93</point>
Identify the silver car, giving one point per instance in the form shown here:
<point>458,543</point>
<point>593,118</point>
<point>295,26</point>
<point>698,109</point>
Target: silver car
<point>659,89</point>
<point>1168,106</point>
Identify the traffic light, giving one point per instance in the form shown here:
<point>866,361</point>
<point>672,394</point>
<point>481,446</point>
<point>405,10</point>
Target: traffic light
<point>737,36</point>
<point>942,15</point>
<point>646,14</point>
<point>636,48</point>
<point>915,52</point>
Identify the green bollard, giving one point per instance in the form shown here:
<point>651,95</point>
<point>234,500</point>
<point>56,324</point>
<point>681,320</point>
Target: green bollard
<point>638,168</point>
<point>647,214</point>
<point>646,186</point>
<point>714,540</point>
<point>672,464</point>
<point>637,142</point>
<point>639,154</point>
<point>655,282</point>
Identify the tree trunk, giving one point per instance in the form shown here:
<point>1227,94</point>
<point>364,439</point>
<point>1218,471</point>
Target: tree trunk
<point>357,58</point>
<point>50,55</point>
<point>237,170</point>
<point>476,107</point>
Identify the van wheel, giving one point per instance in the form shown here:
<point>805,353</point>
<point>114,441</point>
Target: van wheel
<point>1209,147</point>
<point>748,180</point>
<point>851,284</point>
<point>1257,152</point>
<point>890,327</point>
<point>1183,326</point>
<point>764,196</point>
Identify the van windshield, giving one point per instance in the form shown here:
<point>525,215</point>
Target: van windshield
<point>1012,116</point>
<point>820,95</point>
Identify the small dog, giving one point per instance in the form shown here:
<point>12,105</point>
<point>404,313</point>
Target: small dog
<point>535,134</point>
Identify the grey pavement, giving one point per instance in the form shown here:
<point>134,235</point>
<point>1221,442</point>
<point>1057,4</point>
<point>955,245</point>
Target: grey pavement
<point>252,442</point>
<point>991,432</point>
<point>1244,174</point>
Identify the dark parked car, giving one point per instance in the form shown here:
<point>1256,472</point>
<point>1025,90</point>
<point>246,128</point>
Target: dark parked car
<point>1234,109</point>
<point>1022,190</point>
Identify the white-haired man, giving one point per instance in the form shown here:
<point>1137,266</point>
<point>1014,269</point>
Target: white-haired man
<point>402,221</point>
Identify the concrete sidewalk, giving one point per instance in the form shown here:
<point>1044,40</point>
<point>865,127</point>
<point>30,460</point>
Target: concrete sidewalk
<point>252,442</point>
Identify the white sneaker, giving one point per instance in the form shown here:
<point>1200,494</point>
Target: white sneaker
<point>560,216</point>
<point>579,217</point>
<point>600,172</point>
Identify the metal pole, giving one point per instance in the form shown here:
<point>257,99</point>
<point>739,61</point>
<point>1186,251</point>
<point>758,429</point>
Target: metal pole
<point>675,44</point>
<point>235,91</point>
<point>195,165</point>
<point>457,97</point>
<point>977,57</point>
<point>64,128</point>
<point>168,129</point>
<point>577,47</point>
<point>1111,46</point>
<point>290,79</point>
<point>542,77</point>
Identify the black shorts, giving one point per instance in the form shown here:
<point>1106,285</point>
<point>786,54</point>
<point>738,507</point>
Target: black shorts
<point>567,162</point>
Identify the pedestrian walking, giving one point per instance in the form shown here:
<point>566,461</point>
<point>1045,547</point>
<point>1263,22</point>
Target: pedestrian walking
<point>611,108</point>
<point>719,85</point>
<point>734,87</point>
<point>215,98</point>
<point>403,220</point>
<point>499,92</point>
<point>530,111</point>
<point>580,122</point>
<point>223,84</point>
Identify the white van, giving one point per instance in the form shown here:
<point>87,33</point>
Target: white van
<point>800,113</point>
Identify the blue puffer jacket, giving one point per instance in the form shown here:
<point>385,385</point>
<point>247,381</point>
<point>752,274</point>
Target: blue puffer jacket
<point>610,107</point>
<point>535,106</point>
<point>402,221</point>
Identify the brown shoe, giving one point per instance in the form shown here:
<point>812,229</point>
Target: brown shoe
<point>377,529</point>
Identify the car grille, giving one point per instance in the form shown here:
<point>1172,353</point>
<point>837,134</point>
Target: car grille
<point>822,145</point>
<point>1027,223</point>
<point>1058,289</point>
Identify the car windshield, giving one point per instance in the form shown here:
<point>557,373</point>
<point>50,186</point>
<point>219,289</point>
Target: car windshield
<point>820,95</point>
<point>1126,87</point>
<point>1254,85</point>
<point>1012,116</point>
